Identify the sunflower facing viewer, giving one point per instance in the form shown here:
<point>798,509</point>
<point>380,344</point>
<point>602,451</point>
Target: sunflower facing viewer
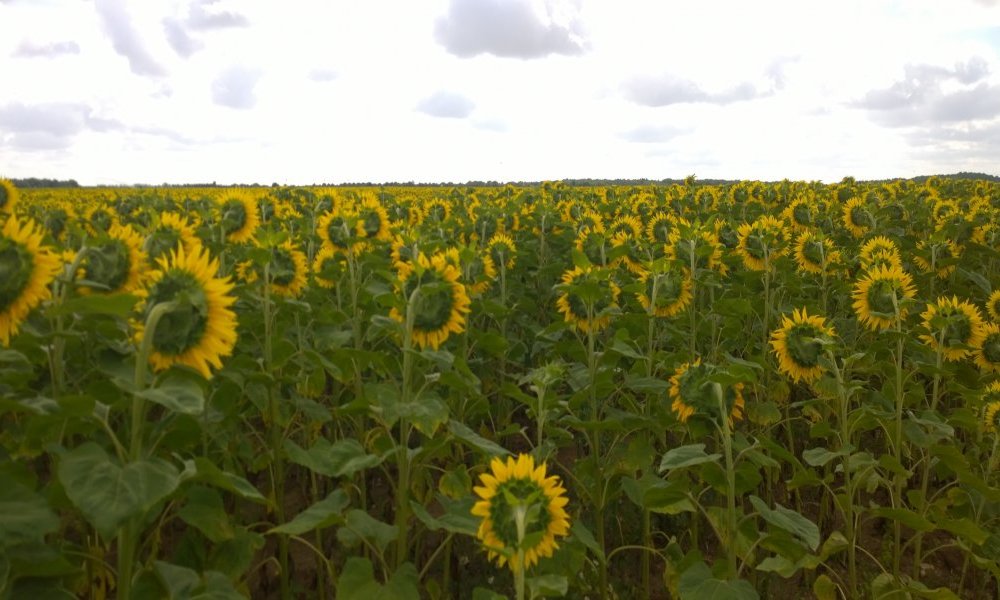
<point>26,270</point>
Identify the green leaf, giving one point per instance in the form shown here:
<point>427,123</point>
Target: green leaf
<point>324,513</point>
<point>457,517</point>
<point>824,588</point>
<point>965,528</point>
<point>548,586</point>
<point>24,516</point>
<point>651,385</point>
<point>205,512</point>
<point>179,394</point>
<point>686,456</point>
<point>359,525</point>
<point>905,516</point>
<point>473,439</point>
<point>484,594</point>
<point>357,582</point>
<point>181,583</point>
<point>697,583</point>
<point>583,534</point>
<point>580,259</point>
<point>118,305</point>
<point>342,459</point>
<point>790,521</point>
<point>817,457</point>
<point>108,494</point>
<point>206,472</point>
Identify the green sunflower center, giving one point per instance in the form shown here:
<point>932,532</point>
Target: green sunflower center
<point>184,326</point>
<point>880,297</point>
<point>528,493</point>
<point>802,214</point>
<point>668,288</point>
<point>500,254</point>
<point>161,241</point>
<point>991,348</point>
<point>101,220</point>
<point>593,246</point>
<point>814,252</point>
<point>860,217</point>
<point>234,216</point>
<point>434,303</point>
<point>55,222</point>
<point>108,264</point>
<point>437,212</point>
<point>16,266</point>
<point>958,329</point>
<point>371,222</point>
<point>282,268</point>
<point>698,392</point>
<point>755,246</point>
<point>339,232</point>
<point>3,196</point>
<point>661,231</point>
<point>803,348</point>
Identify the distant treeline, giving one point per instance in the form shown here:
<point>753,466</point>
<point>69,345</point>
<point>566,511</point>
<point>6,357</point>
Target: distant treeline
<point>34,182</point>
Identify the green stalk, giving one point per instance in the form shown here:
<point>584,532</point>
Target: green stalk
<point>727,446</point>
<point>898,441</point>
<point>129,532</point>
<point>402,448</point>
<point>848,506</point>
<point>926,474</point>
<point>520,514</point>
<point>596,447</point>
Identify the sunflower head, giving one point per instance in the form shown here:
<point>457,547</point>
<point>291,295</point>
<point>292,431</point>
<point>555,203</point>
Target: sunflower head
<point>939,257</point>
<point>954,327</point>
<point>26,270</point>
<point>435,301</point>
<point>799,345</point>
<point>857,218</point>
<point>114,263</point>
<point>987,355</point>
<point>200,327</point>
<point>815,253</point>
<point>239,216</point>
<point>878,246</point>
<point>328,267</point>
<point>696,243</point>
<point>172,230</point>
<point>372,220</point>
<point>338,229</point>
<point>286,269</point>
<point>993,306</point>
<point>991,408</point>
<point>500,251</point>
<point>666,292</point>
<point>760,242</point>
<point>694,391</point>
<point>881,295</point>
<point>588,298</point>
<point>8,197</point>
<point>521,510</point>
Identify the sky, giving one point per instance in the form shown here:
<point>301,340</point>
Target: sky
<point>299,92</point>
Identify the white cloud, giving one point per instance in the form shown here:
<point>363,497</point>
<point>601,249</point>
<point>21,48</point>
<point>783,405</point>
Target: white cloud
<point>29,49</point>
<point>234,87</point>
<point>446,104</point>
<point>508,28</point>
<point>126,41</point>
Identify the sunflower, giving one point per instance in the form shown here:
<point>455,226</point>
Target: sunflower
<point>437,210</point>
<point>857,218</point>
<point>499,251</point>
<point>338,229</point>
<point>593,244</point>
<point>516,490</point>
<point>698,241</point>
<point>625,249</point>
<point>800,213</point>
<point>815,253</point>
<point>987,356</point>
<point>761,242</point>
<point>327,267</point>
<point>8,197</point>
<point>287,270</point>
<point>439,302</point>
<point>114,264</point>
<point>98,219</point>
<point>693,392</point>
<point>626,224</point>
<point>930,256</point>
<point>879,247</point>
<point>993,306</point>
<point>879,293</point>
<point>798,347</point>
<point>659,227</point>
<point>27,269</point>
<point>373,220</point>
<point>954,327</point>
<point>201,328</point>
<point>171,231</point>
<point>238,216</point>
<point>671,291</point>
<point>991,408</point>
<point>587,299</point>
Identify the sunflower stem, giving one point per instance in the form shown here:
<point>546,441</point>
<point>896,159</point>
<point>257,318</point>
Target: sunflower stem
<point>128,534</point>
<point>403,448</point>
<point>848,504</point>
<point>898,481</point>
<point>727,446</point>
<point>595,408</point>
<point>520,516</point>
<point>926,474</point>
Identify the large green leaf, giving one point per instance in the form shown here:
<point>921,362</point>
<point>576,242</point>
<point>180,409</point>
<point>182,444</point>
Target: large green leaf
<point>181,583</point>
<point>328,511</point>
<point>698,583</point>
<point>473,439</point>
<point>179,394</point>
<point>342,459</point>
<point>205,512</point>
<point>359,525</point>
<point>108,494</point>
<point>789,520</point>
<point>686,456</point>
<point>24,515</point>
<point>357,582</point>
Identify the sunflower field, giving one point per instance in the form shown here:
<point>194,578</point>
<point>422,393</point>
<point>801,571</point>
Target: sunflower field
<point>689,391</point>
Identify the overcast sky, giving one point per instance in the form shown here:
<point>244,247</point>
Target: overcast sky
<point>312,91</point>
